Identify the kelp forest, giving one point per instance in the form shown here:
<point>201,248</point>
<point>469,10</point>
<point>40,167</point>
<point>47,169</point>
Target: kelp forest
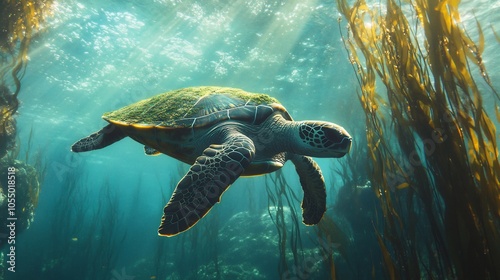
<point>432,181</point>
<point>432,146</point>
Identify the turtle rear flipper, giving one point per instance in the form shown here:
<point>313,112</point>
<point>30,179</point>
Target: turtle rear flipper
<point>313,184</point>
<point>98,140</point>
<point>207,179</point>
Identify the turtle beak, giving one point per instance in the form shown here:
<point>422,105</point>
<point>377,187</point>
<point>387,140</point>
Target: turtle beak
<point>341,138</point>
<point>345,145</point>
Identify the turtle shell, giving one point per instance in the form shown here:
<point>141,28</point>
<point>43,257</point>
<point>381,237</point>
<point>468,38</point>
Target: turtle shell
<point>196,107</point>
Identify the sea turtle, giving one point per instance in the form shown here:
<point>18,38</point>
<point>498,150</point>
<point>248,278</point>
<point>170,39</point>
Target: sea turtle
<point>223,133</point>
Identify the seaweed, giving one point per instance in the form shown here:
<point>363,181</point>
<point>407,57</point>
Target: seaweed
<point>80,242</point>
<point>277,197</point>
<point>431,143</point>
<point>330,236</point>
<point>351,214</point>
<point>19,22</point>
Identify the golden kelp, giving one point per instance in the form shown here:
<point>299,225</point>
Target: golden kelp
<point>435,166</point>
<point>19,20</point>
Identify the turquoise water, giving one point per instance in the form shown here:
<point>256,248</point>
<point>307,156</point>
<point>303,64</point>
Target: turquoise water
<point>98,212</point>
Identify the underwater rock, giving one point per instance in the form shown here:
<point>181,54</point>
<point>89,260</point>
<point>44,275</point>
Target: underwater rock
<point>145,269</point>
<point>241,271</point>
<point>249,236</point>
<point>249,249</point>
<point>18,195</point>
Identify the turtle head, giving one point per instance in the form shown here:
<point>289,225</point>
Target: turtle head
<point>323,139</point>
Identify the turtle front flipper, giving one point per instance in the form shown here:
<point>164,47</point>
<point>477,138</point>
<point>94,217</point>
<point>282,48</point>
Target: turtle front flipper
<point>313,184</point>
<point>207,179</point>
<point>98,140</point>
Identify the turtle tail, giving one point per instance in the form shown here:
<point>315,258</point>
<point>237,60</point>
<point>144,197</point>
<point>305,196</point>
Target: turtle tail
<point>98,140</point>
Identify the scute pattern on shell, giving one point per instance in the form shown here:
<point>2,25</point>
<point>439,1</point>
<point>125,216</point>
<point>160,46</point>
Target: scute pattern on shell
<point>173,109</point>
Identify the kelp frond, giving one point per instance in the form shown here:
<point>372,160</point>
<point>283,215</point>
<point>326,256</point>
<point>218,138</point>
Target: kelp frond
<point>18,23</point>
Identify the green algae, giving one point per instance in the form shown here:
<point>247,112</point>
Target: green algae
<point>166,108</point>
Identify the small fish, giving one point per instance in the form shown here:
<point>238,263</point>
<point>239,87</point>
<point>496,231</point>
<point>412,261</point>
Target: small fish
<point>402,186</point>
